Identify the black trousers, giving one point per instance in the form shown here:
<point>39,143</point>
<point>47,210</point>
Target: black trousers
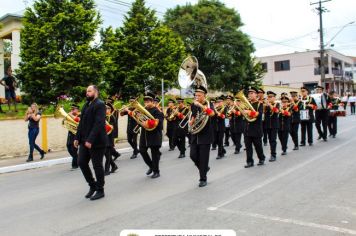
<point>227,136</point>
<point>170,135</point>
<point>96,156</point>
<point>237,140</point>
<point>294,133</point>
<point>272,137</point>
<point>332,125</point>
<point>352,107</point>
<point>283,138</point>
<point>220,139</point>
<point>189,138</point>
<point>215,138</point>
<point>180,141</point>
<point>153,163</point>
<point>306,126</point>
<point>73,152</point>
<point>199,153</point>
<point>113,152</point>
<point>321,120</point>
<point>257,143</point>
<point>132,140</point>
<point>108,159</point>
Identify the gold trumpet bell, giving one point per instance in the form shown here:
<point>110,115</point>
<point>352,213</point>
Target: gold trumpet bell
<point>244,105</point>
<point>68,122</point>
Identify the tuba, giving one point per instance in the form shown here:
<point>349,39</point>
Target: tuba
<point>200,120</point>
<point>244,105</point>
<point>189,74</point>
<point>68,122</point>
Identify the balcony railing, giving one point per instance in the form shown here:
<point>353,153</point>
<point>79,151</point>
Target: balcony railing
<point>317,71</point>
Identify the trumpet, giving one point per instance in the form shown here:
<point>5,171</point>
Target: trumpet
<point>244,105</point>
<point>184,122</point>
<point>141,115</point>
<point>173,114</point>
<point>68,122</point>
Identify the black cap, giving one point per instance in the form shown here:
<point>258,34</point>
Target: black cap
<point>253,89</point>
<point>220,99</point>
<point>284,94</point>
<point>271,93</point>
<point>149,96</point>
<point>109,104</point>
<point>74,105</point>
<point>201,89</point>
<point>156,99</point>
<point>179,99</point>
<point>260,90</point>
<point>304,88</point>
<point>212,100</point>
<point>171,100</point>
<point>319,87</point>
<point>284,98</point>
<point>293,92</point>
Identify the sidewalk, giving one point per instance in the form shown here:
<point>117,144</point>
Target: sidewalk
<point>51,158</point>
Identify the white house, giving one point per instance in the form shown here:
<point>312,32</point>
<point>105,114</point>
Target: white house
<point>303,69</point>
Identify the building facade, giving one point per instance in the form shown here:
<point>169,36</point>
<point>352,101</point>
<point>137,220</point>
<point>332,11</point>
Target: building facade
<point>303,69</point>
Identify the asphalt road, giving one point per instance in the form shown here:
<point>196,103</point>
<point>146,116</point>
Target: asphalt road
<point>308,192</point>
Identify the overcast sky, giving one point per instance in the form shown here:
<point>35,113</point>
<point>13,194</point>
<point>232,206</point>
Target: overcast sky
<point>275,26</point>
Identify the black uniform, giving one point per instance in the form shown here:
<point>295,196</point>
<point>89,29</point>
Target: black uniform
<point>200,144</point>
<point>220,130</point>
<point>253,135</point>
<point>115,134</point>
<point>73,151</point>
<point>295,121</point>
<point>264,126</point>
<point>181,133</point>
<point>214,122</point>
<point>109,146</point>
<point>153,140</point>
<point>283,131</point>
<point>322,116</point>
<point>237,127</point>
<point>91,129</point>
<point>131,135</point>
<point>333,119</point>
<point>307,125</point>
<point>272,126</point>
<point>171,128</point>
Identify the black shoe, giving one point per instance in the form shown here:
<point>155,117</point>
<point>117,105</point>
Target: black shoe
<point>284,153</point>
<point>302,144</point>
<point>149,171</point>
<point>117,156</point>
<point>334,136</point>
<point>219,157</point>
<point>237,152</point>
<point>249,165</point>
<point>114,169</point>
<point>213,148</point>
<point>155,175</point>
<point>208,169</point>
<point>264,144</point>
<point>224,151</point>
<point>310,144</point>
<point>202,184</point>
<point>296,148</point>
<point>42,154</point>
<point>90,193</point>
<point>29,159</point>
<point>272,159</point>
<point>319,137</point>
<point>75,167</point>
<point>171,149</point>
<point>261,163</point>
<point>325,139</point>
<point>182,155</point>
<point>133,156</point>
<point>107,173</point>
<point>99,194</point>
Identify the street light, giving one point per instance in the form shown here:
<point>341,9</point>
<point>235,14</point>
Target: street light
<point>350,23</point>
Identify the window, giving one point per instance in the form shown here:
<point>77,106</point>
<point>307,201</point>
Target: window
<point>281,65</point>
<point>264,66</point>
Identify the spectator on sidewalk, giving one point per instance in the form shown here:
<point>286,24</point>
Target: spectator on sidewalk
<point>33,116</point>
<point>10,85</point>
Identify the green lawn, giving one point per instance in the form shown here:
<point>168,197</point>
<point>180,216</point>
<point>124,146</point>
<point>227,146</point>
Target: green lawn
<point>21,108</point>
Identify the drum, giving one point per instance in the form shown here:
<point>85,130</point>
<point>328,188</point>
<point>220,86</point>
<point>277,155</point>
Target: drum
<point>304,115</point>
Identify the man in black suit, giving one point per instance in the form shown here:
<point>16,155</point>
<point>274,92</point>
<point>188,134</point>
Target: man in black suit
<point>91,138</point>
<point>151,136</point>
<point>272,122</point>
<point>220,110</point>
<point>201,141</point>
<point>253,130</point>
<point>322,114</point>
<point>131,125</point>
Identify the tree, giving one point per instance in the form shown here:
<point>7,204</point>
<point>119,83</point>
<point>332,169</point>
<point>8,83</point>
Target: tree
<point>142,52</point>
<point>56,49</point>
<point>212,33</point>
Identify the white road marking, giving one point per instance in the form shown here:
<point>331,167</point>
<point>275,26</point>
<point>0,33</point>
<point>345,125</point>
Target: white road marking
<point>292,221</point>
<point>281,175</point>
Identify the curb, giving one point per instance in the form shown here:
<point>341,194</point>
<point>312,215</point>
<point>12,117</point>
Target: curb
<point>63,160</point>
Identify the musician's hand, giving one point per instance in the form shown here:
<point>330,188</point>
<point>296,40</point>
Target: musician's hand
<point>88,145</point>
<point>76,143</point>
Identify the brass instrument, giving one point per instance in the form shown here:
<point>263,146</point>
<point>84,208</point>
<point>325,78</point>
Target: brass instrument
<point>68,122</point>
<point>244,105</point>
<point>200,120</point>
<point>173,114</point>
<point>220,109</point>
<point>141,115</point>
<point>184,122</point>
<point>189,74</point>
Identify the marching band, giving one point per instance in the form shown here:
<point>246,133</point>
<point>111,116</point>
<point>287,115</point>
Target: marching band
<point>256,118</point>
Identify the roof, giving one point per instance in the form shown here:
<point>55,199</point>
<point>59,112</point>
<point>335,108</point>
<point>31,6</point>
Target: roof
<point>10,16</point>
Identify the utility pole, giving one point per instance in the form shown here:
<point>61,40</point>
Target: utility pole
<point>321,10</point>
